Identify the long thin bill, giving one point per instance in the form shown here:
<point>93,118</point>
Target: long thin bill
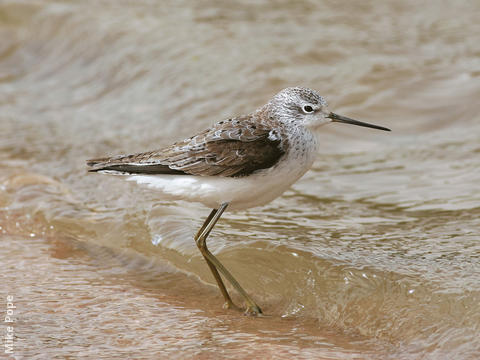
<point>346,120</point>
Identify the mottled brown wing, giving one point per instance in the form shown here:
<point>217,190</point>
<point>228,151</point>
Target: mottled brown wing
<point>235,147</point>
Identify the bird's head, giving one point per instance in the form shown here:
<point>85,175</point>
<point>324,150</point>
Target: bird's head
<point>305,107</point>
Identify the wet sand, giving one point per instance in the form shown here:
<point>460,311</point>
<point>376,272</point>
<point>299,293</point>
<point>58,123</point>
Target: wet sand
<point>75,299</point>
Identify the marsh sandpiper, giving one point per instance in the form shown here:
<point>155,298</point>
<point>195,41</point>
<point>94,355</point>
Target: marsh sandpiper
<point>238,163</point>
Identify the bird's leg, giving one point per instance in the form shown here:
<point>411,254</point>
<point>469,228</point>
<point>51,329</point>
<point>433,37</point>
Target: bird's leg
<point>215,265</point>
<point>228,301</point>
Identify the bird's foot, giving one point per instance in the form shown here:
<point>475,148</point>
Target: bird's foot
<point>253,310</point>
<point>231,305</point>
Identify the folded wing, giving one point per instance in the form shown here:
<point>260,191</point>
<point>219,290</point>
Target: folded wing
<point>235,147</point>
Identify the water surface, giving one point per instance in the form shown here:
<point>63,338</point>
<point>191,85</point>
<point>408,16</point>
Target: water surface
<point>375,253</point>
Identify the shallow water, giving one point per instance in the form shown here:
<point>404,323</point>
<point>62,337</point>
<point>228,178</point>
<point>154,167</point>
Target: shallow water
<point>374,253</point>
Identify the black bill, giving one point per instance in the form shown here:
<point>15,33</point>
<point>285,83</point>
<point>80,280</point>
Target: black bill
<point>346,120</point>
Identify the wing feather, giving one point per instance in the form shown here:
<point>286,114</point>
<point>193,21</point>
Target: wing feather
<point>231,148</point>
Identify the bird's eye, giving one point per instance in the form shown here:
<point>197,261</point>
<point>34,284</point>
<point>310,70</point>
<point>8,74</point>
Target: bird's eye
<point>307,109</point>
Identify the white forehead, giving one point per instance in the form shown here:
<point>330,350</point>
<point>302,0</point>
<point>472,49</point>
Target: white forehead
<point>300,96</point>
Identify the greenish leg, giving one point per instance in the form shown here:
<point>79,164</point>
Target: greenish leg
<point>228,301</point>
<point>216,266</point>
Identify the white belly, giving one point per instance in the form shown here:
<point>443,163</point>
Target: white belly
<point>242,192</point>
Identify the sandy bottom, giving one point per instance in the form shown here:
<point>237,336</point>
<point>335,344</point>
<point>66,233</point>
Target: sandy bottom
<point>79,300</point>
